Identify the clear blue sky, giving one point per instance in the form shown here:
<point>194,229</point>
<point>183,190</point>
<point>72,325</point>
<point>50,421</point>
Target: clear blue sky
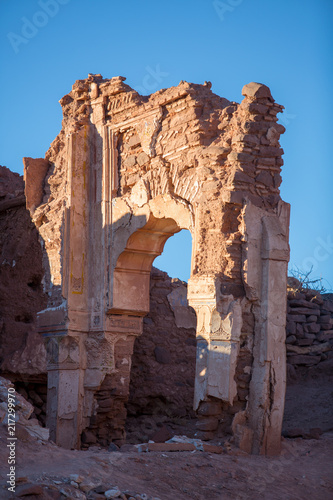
<point>48,44</point>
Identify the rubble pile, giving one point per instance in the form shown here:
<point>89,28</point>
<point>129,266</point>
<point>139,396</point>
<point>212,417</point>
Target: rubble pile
<point>26,427</point>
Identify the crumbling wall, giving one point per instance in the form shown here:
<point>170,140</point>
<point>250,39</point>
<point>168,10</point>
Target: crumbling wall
<point>192,144</point>
<point>127,172</point>
<point>22,351</point>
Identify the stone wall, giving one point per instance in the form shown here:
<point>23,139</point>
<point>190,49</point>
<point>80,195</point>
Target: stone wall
<point>309,331</point>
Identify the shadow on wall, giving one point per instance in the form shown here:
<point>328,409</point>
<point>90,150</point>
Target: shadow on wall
<point>163,362</point>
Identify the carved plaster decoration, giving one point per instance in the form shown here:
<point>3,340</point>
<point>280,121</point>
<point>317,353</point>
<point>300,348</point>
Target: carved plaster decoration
<point>147,130</point>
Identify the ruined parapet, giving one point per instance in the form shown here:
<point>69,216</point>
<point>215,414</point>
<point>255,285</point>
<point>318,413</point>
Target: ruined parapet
<point>126,173</point>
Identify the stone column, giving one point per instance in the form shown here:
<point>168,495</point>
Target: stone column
<point>107,377</point>
<point>219,322</point>
<point>65,367</point>
<point>266,255</point>
<point>65,327</point>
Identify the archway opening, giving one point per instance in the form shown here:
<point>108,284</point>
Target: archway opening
<point>176,257</point>
<point>163,361</point>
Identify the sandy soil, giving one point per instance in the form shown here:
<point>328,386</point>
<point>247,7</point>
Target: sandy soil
<point>303,471</point>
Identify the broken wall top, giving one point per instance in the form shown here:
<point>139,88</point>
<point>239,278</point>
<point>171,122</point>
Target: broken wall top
<point>190,132</point>
<point>185,142</point>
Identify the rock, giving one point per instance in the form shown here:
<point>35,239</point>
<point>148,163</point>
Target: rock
<point>291,327</point>
<point>207,424</point>
<point>113,447</point>
<point>36,398</point>
<point>312,327</point>
<point>89,484</point>
<point>303,311</point>
<point>171,447</point>
<point>299,330</point>
<point>72,493</point>
<point>305,342</point>
<point>142,159</point>
<point>314,433</point>
<point>112,493</point>
<point>325,336</point>
<point>302,303</point>
<point>291,339</point>
<point>162,435</point>
<point>23,393</point>
<point>324,318</point>
<point>326,326</point>
<point>3,411</point>
<point>317,299</point>
<point>21,405</point>
<point>76,477</point>
<point>312,318</point>
<point>128,448</point>
<point>185,317</point>
<point>88,437</point>
<point>22,434</point>
<point>134,141</point>
<point>93,495</point>
<point>303,360</point>
<point>298,318</point>
<point>205,435</point>
<point>312,349</point>
<point>162,355</point>
<point>293,433</point>
<point>210,448</point>
<point>28,489</point>
<point>310,336</point>
<point>210,408</point>
<point>328,305</point>
<point>257,90</point>
<point>35,429</point>
<point>293,283</point>
<point>130,161</point>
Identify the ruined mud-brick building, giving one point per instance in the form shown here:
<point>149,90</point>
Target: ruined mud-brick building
<point>125,173</point>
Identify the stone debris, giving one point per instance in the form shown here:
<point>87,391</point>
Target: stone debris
<point>175,444</point>
<point>50,489</point>
<point>25,427</point>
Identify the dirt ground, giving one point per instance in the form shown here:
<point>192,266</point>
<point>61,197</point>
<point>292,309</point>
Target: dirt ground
<point>303,471</point>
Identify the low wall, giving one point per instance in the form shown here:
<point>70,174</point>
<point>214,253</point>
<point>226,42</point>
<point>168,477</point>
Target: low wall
<point>309,335</point>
